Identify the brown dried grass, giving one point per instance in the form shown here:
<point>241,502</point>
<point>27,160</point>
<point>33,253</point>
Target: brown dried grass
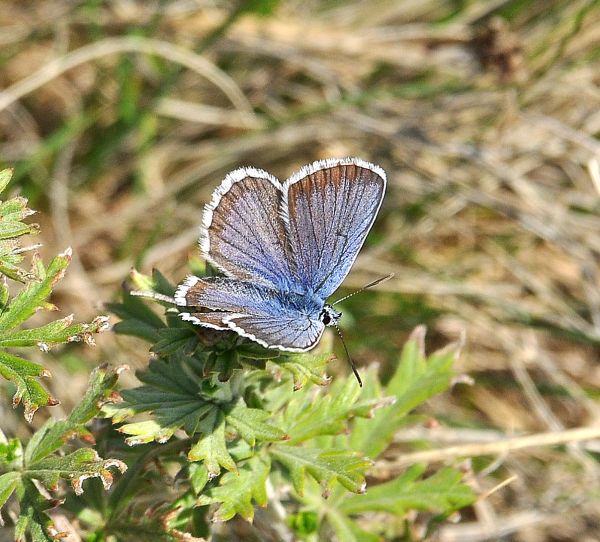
<point>487,129</point>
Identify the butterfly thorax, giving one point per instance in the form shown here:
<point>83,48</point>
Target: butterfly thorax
<point>312,306</point>
<point>329,316</point>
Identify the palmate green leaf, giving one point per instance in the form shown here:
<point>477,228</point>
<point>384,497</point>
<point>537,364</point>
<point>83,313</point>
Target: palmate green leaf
<point>212,446</point>
<point>415,380</point>
<point>54,433</point>
<point>178,398</point>
<point>23,373</point>
<point>250,425</point>
<point>309,414</point>
<point>74,467</point>
<point>236,491</point>
<point>444,492</point>
<point>40,463</point>
<point>326,466</point>
<point>172,393</point>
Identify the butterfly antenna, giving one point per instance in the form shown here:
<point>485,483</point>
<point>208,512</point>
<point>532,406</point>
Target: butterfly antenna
<point>367,286</point>
<point>350,361</point>
<point>153,295</point>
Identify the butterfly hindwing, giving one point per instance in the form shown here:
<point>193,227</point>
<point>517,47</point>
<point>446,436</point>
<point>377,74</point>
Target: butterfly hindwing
<point>266,316</point>
<point>291,332</point>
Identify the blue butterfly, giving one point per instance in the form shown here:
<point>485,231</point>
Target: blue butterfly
<point>283,248</point>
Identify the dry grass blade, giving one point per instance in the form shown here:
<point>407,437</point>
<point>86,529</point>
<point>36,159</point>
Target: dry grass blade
<point>485,115</point>
<point>501,446</point>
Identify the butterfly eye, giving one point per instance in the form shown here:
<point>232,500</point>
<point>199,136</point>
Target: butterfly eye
<point>325,317</point>
<point>329,316</point>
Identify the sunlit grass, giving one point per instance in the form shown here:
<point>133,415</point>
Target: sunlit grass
<point>491,222</point>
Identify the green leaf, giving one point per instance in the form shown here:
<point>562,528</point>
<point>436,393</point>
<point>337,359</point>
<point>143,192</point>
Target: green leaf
<point>12,212</point>
<point>212,447</point>
<point>252,350</point>
<point>236,492</point>
<point>57,332</point>
<point>442,492</point>
<point>346,529</point>
<point>11,454</point>
<point>75,467</point>
<point>416,380</point>
<point>310,414</point>
<point>305,368</point>
<point>32,518</point>
<point>198,476</point>
<point>23,374</point>
<point>137,319</point>
<point>33,296</point>
<point>305,522</point>
<point>325,466</point>
<point>173,341</point>
<point>156,283</point>
<point>171,393</point>
<point>54,433</point>
<point>39,464</point>
<point>249,423</point>
<point>5,177</point>
<point>10,230</point>
<point>8,484</point>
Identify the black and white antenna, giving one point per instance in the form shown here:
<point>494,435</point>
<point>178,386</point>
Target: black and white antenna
<point>367,286</point>
<point>350,360</point>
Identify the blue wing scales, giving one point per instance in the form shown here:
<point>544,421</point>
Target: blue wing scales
<point>330,207</point>
<point>267,316</point>
<point>283,248</point>
<point>242,233</point>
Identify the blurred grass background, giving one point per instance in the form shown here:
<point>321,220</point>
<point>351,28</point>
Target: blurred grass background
<point>121,117</point>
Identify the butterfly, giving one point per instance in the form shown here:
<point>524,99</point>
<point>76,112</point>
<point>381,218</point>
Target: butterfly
<point>283,249</point>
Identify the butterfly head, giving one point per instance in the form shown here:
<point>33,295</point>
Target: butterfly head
<point>329,316</point>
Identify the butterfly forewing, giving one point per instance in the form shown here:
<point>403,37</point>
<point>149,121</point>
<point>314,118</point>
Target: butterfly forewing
<point>331,207</point>
<point>242,233</point>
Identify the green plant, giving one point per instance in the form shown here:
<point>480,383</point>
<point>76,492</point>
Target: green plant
<point>217,429</point>
<point>243,419</point>
<point>29,470</point>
